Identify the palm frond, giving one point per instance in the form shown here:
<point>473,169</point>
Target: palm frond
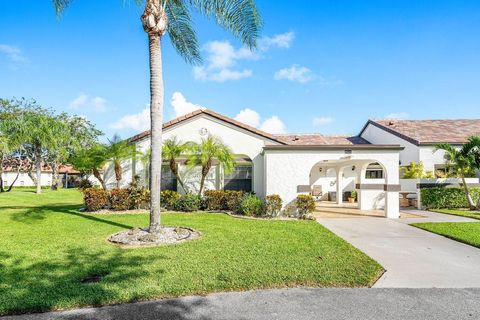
<point>181,31</point>
<point>241,17</point>
<point>60,5</point>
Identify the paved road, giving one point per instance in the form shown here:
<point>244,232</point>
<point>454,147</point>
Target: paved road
<point>296,304</point>
<point>413,258</point>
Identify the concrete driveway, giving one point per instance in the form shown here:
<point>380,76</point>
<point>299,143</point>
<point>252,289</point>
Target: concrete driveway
<point>413,258</point>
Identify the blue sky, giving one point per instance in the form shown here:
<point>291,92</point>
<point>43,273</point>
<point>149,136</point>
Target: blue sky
<point>323,66</point>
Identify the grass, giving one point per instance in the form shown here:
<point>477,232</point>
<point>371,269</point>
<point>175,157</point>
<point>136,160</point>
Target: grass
<point>466,232</point>
<point>460,212</point>
<point>47,247</point>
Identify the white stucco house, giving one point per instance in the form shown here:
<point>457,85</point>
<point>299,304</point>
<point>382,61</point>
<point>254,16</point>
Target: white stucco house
<point>292,164</point>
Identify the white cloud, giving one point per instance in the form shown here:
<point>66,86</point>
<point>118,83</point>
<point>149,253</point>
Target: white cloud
<point>321,121</point>
<point>281,40</point>
<point>273,125</point>
<point>13,53</point>
<point>252,118</point>
<point>398,116</point>
<point>249,116</point>
<point>295,73</point>
<point>223,58</point>
<point>84,101</point>
<point>181,106</point>
<point>138,121</point>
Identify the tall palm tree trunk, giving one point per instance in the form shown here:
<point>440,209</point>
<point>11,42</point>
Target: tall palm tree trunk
<point>156,118</point>
<point>471,204</point>
<point>38,168</point>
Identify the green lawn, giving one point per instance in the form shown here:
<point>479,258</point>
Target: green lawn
<point>466,232</point>
<point>460,212</point>
<point>47,248</point>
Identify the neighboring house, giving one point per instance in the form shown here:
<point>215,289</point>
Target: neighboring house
<point>292,164</point>
<point>69,176</point>
<point>418,137</point>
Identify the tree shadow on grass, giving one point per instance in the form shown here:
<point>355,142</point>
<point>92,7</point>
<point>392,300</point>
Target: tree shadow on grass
<point>50,284</point>
<point>35,214</point>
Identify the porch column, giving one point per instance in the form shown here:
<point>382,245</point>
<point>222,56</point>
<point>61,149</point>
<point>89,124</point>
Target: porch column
<point>392,202</point>
<point>339,185</point>
<point>392,188</point>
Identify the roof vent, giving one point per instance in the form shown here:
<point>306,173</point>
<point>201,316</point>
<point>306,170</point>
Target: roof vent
<point>295,138</point>
<point>391,123</point>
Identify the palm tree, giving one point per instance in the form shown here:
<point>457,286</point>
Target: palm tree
<point>210,149</point>
<point>172,149</point>
<point>174,17</point>
<point>145,160</point>
<point>119,150</point>
<point>463,163</point>
<point>91,160</point>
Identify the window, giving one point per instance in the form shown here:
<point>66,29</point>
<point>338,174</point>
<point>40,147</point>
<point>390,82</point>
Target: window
<point>169,181</point>
<point>239,179</point>
<point>374,171</point>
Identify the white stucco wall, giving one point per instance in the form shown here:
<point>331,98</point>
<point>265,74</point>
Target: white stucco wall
<point>287,169</point>
<point>376,135</point>
<point>430,157</point>
<point>24,179</point>
<point>242,142</point>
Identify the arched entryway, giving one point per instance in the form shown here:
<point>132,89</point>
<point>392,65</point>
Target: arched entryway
<point>334,183</point>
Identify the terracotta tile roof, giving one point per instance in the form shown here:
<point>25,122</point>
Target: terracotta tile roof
<point>319,139</point>
<point>428,132</point>
<point>212,114</point>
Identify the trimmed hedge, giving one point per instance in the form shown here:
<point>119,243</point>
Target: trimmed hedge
<point>252,205</point>
<point>188,203</point>
<point>273,205</point>
<point>447,198</point>
<point>96,199</point>
<point>169,198</point>
<point>305,205</point>
<point>229,200</point>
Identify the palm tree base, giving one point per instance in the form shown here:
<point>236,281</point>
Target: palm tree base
<point>138,237</point>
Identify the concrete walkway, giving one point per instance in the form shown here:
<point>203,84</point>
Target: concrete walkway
<point>298,304</point>
<point>413,258</point>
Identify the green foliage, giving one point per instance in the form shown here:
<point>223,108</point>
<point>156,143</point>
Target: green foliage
<point>96,199</point>
<point>229,200</point>
<point>85,184</point>
<point>188,203</point>
<point>210,149</point>
<point>169,198</point>
<point>273,205</point>
<point>353,194</point>
<point>54,246</point>
<point>439,198</point>
<point>305,205</point>
<point>415,171</point>
<point>252,205</point>
<point>120,199</point>
<point>172,149</point>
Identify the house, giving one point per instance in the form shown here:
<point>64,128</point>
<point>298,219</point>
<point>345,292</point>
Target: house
<point>286,165</point>
<point>10,175</point>
<point>419,137</point>
<point>292,164</point>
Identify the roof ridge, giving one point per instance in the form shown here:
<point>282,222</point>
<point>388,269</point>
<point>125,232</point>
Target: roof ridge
<point>211,113</point>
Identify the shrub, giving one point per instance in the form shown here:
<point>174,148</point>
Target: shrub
<point>446,198</point>
<point>95,199</point>
<point>233,200</point>
<point>252,206</point>
<point>139,198</point>
<point>120,199</point>
<point>188,202</point>
<point>223,200</point>
<point>273,205</point>
<point>215,199</point>
<point>84,184</point>
<point>305,205</point>
<point>169,198</point>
